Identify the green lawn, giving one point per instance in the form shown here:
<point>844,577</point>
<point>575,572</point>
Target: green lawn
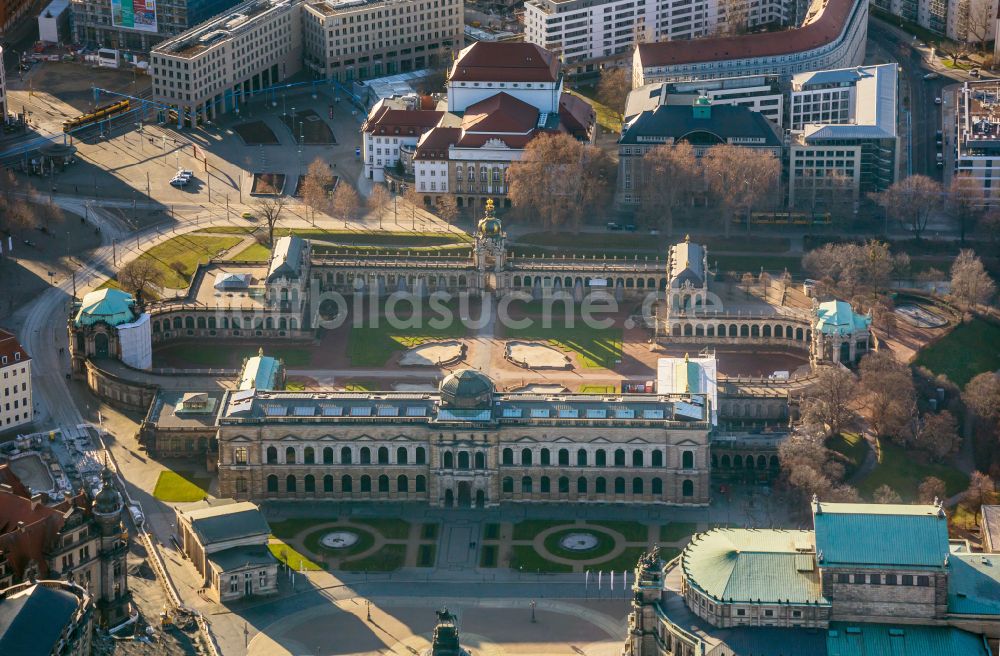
<point>675,531</point>
<point>852,446</point>
<point>597,347</point>
<point>426,555</point>
<point>287,553</point>
<point>631,531</point>
<point>753,263</point>
<point>597,389</point>
<point>390,527</point>
<point>387,559</point>
<point>174,487</point>
<point>220,355</point>
<point>253,253</point>
<point>970,349</point>
<point>289,528</point>
<point>491,531</point>
<point>607,118</point>
<point>227,230</point>
<point>529,528</point>
<point>429,531</point>
<point>372,347</point>
<point>524,557</point>
<point>187,252</point>
<point>488,555</point>
<point>626,560</point>
<point>903,473</point>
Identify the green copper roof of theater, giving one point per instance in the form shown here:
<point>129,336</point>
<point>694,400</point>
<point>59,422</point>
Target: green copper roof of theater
<point>837,317</point>
<point>754,564</point>
<point>112,306</point>
<point>871,534</point>
<point>973,583</point>
<point>849,639</point>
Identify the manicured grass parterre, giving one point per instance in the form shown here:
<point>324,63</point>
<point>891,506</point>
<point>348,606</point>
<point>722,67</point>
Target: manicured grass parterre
<point>902,472</point>
<point>675,531</point>
<point>429,531</point>
<point>390,527</point>
<point>626,560</point>
<point>529,528</point>
<point>178,258</point>
<point>289,528</point>
<point>177,488</point>
<point>387,559</point>
<point>491,531</point>
<point>219,355</point>
<point>852,446</point>
<point>631,531</point>
<point>597,347</point>
<point>373,346</point>
<point>970,349</point>
<point>426,555</point>
<point>524,557</point>
<point>488,555</point>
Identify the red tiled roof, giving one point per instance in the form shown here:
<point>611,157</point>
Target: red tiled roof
<point>9,346</point>
<point>576,116</point>
<point>515,141</point>
<point>8,477</point>
<point>402,122</point>
<point>824,29</point>
<point>434,144</point>
<point>498,61</point>
<point>28,541</point>
<point>500,113</point>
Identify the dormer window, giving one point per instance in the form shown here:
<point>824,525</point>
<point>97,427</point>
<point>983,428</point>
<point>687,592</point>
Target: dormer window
<point>17,356</point>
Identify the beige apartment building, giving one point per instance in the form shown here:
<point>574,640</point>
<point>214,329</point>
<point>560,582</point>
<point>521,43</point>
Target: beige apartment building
<point>15,383</point>
<point>357,39</point>
<point>217,66</point>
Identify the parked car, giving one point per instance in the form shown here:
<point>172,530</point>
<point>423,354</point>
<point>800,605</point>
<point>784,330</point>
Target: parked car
<point>613,226</point>
<point>248,216</point>
<point>932,76</point>
<point>937,101</point>
<point>179,181</point>
<point>974,72</point>
<point>630,227</point>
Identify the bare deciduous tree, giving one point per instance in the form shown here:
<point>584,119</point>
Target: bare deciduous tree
<point>855,271</point>
<point>378,201</point>
<point>930,488</point>
<point>315,187</point>
<point>979,22</point>
<point>141,274</point>
<point>416,201</point>
<point>970,284</point>
<point>937,435</point>
<point>982,395</point>
<point>889,392</point>
<point>827,403</point>
<point>270,209</point>
<point>981,490</point>
<point>447,208</point>
<point>669,175</point>
<point>885,494</point>
<point>613,88</point>
<point>965,202</point>
<point>741,179</point>
<point>911,201</point>
<point>559,179</point>
<point>345,202</point>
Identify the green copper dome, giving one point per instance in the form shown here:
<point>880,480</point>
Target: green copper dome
<point>467,388</point>
<point>112,306</point>
<point>490,226</point>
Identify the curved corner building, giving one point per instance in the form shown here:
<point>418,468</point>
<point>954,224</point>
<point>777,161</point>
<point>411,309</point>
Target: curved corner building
<point>832,36</point>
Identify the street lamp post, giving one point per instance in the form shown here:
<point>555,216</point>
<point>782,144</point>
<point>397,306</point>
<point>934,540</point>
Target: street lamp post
<point>532,604</point>
<point>368,606</point>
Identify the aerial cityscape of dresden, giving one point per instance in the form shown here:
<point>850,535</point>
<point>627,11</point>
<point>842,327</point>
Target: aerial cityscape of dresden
<point>499,327</point>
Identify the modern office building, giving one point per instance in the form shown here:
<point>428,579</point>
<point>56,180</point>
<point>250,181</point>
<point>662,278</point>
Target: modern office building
<point>16,407</point>
<point>977,142</point>
<point>868,579</point>
<point>585,32</point>
<point>358,39</point>
<point>973,21</point>
<point>844,136</point>
<point>760,93</point>
<point>701,124</point>
<point>219,65</point>
<point>831,36</point>
<point>138,25</point>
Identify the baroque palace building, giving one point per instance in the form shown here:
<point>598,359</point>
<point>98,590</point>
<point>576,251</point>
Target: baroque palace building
<point>868,579</point>
<point>466,445</point>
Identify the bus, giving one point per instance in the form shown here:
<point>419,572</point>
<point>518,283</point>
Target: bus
<point>97,115</point>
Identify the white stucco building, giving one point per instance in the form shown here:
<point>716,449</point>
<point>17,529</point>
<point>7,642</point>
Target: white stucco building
<point>16,408</point>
